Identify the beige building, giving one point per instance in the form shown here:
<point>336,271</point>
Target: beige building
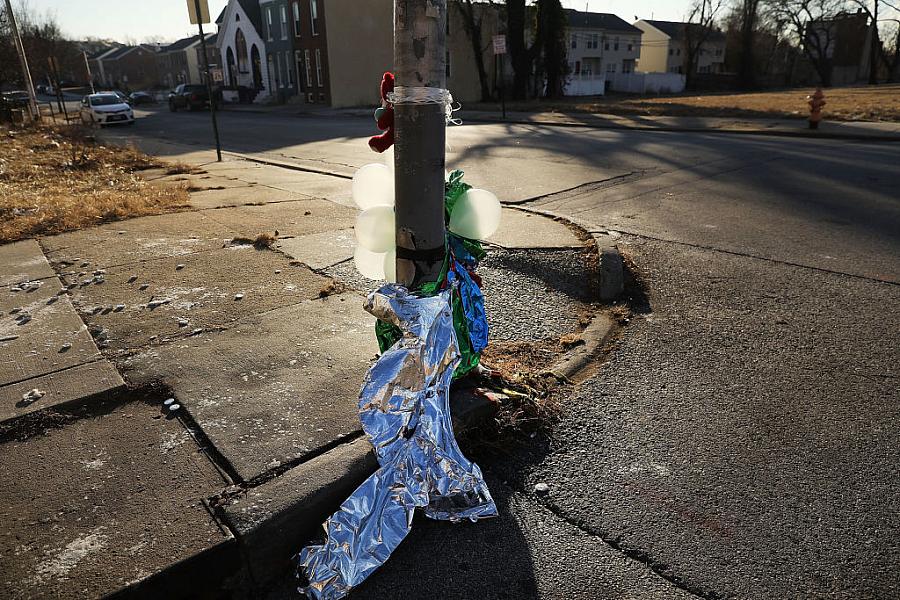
<point>663,48</point>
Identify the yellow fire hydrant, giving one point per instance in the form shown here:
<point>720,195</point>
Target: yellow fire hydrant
<point>816,102</point>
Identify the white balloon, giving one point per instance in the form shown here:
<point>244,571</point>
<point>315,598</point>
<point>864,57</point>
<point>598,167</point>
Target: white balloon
<point>375,228</point>
<point>369,264</point>
<point>390,266</point>
<point>373,185</point>
<point>476,215</point>
<point>389,159</point>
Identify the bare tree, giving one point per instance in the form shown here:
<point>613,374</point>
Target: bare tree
<point>472,15</point>
<point>699,26</point>
<point>550,45</point>
<point>813,24</point>
<point>749,20</point>
<point>521,56</point>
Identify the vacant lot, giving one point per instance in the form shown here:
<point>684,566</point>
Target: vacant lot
<point>864,103</point>
<point>55,179</point>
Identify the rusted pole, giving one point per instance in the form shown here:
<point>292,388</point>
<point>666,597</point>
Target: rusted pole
<point>23,60</point>
<point>420,62</point>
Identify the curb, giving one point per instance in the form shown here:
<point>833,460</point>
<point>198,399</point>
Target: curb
<point>271,520</point>
<point>800,133</point>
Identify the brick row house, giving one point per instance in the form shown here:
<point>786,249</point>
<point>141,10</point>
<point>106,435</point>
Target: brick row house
<point>328,52</point>
<point>182,61</point>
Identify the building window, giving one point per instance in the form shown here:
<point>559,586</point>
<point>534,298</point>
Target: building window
<point>606,45</point>
<point>611,68</point>
<point>284,22</point>
<point>314,16</point>
<point>309,82</point>
<point>290,72</point>
<point>578,67</point>
<point>628,66</point>
<point>678,52</point>
<point>296,8</point>
<point>671,51</point>
<point>574,41</point>
<point>718,52</point>
<point>319,67</point>
<point>630,47</point>
<point>593,42</point>
<point>269,24</point>
<point>616,44</point>
<point>447,64</point>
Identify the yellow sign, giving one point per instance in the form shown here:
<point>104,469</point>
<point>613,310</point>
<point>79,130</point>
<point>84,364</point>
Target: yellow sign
<point>204,11</point>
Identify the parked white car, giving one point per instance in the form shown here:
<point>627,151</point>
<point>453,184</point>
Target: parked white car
<point>105,109</point>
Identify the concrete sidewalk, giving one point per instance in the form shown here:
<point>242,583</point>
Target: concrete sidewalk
<point>799,127</point>
<point>263,348</point>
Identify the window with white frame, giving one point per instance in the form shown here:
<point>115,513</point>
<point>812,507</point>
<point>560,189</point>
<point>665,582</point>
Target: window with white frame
<point>593,42</point>
<point>319,68</point>
<point>611,67</point>
<point>290,72</point>
<point>296,8</point>
<point>309,81</point>
<point>314,16</point>
<point>284,22</point>
<point>269,24</point>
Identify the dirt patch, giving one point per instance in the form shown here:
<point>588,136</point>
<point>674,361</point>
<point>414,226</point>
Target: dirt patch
<point>59,178</point>
<point>862,103</point>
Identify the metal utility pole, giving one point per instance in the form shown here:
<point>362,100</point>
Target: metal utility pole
<point>87,67</point>
<point>20,48</point>
<point>202,15</point>
<point>420,128</point>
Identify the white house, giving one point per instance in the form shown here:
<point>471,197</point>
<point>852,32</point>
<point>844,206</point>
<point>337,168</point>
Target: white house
<point>241,47</point>
<point>664,47</point>
<point>600,46</point>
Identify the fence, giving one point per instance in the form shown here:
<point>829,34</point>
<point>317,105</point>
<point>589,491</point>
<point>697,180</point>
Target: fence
<point>646,83</point>
<point>585,85</point>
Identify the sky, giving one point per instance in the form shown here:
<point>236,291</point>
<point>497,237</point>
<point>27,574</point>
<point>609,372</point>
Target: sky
<point>167,20</point>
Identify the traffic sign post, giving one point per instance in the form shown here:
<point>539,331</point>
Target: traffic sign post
<point>198,12</point>
<point>499,51</point>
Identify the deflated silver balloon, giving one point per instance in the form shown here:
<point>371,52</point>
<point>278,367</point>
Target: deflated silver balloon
<point>404,410</point>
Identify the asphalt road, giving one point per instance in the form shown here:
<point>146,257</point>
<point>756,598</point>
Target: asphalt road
<point>742,439</point>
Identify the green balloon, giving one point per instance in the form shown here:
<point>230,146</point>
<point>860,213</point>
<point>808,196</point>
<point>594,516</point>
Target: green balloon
<point>379,112</point>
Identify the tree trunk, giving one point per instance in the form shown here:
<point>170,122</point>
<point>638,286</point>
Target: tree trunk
<point>473,30</point>
<point>519,55</point>
<point>551,28</point>
<point>747,68</point>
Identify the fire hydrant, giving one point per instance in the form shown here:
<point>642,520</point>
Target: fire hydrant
<point>816,102</point>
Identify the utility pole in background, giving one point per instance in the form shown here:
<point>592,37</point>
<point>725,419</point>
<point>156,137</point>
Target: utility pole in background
<point>87,67</point>
<point>20,48</point>
<point>199,14</point>
<point>420,125</point>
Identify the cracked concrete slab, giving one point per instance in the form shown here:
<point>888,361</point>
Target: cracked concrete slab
<point>173,297</point>
<point>40,333</point>
<point>520,229</point>
<point>296,218</point>
<point>263,403</point>
<point>23,261</point>
<point>123,502</point>
<point>135,240</point>
<point>320,250</point>
<point>81,382</point>
<point>239,196</point>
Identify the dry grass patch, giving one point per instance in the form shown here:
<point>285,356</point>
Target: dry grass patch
<point>57,179</point>
<point>862,103</point>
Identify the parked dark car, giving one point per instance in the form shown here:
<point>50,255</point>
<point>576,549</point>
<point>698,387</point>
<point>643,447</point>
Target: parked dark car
<point>16,99</point>
<point>191,97</point>
<point>141,98</point>
<point>122,96</point>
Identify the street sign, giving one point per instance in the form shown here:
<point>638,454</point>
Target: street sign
<point>204,11</point>
<point>499,44</point>
<point>217,75</point>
